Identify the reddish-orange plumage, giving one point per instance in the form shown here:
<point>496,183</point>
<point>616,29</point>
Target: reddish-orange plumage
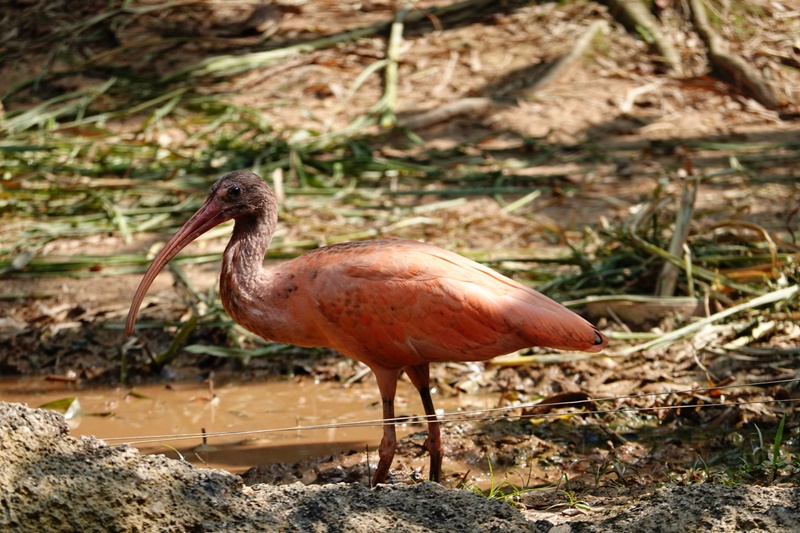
<point>395,305</point>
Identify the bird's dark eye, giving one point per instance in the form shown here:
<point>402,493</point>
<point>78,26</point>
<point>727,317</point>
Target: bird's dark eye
<point>234,192</point>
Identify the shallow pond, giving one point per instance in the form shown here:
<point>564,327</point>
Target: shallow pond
<point>275,415</point>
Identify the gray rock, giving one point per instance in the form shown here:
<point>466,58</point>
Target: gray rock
<point>50,481</point>
<point>681,509</point>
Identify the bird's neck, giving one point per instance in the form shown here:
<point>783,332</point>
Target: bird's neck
<point>243,280</point>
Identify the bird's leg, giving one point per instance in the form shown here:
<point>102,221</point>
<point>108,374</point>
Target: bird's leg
<point>420,377</point>
<point>387,384</point>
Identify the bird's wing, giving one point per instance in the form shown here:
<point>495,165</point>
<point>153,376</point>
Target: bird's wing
<point>406,302</point>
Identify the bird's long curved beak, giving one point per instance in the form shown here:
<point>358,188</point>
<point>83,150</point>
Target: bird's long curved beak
<point>211,214</point>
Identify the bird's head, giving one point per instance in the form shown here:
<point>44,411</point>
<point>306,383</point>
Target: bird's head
<point>235,195</point>
<point>238,195</point>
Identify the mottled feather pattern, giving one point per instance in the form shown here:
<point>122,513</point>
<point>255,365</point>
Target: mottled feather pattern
<point>394,297</point>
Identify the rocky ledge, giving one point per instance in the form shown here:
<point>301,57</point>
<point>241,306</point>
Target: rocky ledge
<point>50,481</point>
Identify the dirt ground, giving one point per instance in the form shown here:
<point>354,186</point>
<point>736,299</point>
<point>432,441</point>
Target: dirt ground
<point>644,127</point>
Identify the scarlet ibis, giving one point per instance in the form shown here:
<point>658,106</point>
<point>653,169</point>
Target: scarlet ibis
<point>395,305</point>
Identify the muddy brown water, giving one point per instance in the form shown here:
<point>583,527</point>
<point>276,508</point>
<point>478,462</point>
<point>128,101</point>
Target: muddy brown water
<point>271,419</point>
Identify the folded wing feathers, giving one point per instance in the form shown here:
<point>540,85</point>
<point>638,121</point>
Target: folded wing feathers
<point>416,300</point>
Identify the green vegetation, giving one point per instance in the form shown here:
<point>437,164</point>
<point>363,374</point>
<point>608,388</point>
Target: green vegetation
<point>504,490</point>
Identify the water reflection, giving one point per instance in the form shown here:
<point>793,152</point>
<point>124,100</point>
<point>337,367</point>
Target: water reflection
<point>119,414</point>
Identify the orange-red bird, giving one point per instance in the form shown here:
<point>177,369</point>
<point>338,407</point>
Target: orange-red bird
<point>395,305</point>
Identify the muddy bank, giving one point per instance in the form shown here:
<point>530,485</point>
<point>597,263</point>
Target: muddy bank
<point>53,482</point>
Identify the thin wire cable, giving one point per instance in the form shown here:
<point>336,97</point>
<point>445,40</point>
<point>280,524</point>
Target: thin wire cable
<point>480,414</point>
<point>381,422</point>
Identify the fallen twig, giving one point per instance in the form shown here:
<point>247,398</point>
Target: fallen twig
<point>636,18</point>
<point>225,65</point>
<point>730,67</point>
<point>564,62</point>
<point>388,102</point>
<point>691,329</point>
<point>464,106</point>
<point>683,219</point>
